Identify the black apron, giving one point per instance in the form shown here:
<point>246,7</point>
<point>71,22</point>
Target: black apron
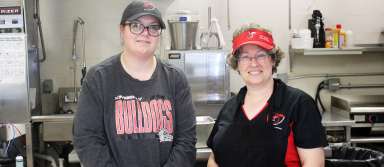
<point>250,143</point>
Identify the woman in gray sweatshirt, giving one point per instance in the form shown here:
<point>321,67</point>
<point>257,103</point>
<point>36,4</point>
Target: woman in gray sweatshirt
<point>134,110</point>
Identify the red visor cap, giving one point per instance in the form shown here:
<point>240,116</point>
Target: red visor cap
<point>257,37</point>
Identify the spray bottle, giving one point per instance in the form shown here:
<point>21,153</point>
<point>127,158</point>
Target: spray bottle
<point>336,36</point>
<point>19,161</point>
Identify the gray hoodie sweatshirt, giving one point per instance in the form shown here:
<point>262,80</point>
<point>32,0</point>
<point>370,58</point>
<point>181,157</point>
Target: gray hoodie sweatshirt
<point>124,122</point>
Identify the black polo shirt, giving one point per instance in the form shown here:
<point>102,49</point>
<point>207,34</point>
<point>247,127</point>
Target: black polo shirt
<point>289,120</point>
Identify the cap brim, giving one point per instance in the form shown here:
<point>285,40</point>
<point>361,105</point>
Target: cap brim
<point>136,16</point>
<point>262,45</point>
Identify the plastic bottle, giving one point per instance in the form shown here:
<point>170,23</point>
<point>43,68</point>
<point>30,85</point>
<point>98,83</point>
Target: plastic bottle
<point>342,39</point>
<point>336,35</point>
<point>349,39</point>
<point>19,161</point>
<point>328,38</point>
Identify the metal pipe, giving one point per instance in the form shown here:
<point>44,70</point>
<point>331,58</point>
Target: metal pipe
<point>368,140</point>
<point>350,86</point>
<point>74,80</point>
<point>61,162</point>
<point>29,144</point>
<point>289,15</point>
<point>74,57</point>
<point>303,76</point>
<point>36,16</point>
<point>228,17</point>
<point>209,17</point>
<point>76,23</point>
<point>47,158</point>
<point>84,64</point>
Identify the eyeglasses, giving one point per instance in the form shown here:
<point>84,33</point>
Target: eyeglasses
<point>245,58</point>
<point>138,28</point>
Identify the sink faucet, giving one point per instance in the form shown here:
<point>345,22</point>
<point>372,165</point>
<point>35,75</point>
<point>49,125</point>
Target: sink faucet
<point>76,23</point>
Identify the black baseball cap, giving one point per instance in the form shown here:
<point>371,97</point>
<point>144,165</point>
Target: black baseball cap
<point>137,9</point>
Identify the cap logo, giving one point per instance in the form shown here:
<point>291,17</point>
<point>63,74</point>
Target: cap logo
<point>250,34</point>
<point>148,6</point>
<point>257,37</point>
<point>264,38</point>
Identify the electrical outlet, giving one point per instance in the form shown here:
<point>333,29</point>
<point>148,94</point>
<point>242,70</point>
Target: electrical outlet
<point>333,84</point>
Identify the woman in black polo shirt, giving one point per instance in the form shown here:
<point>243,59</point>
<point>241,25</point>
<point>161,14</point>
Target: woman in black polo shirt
<point>267,123</point>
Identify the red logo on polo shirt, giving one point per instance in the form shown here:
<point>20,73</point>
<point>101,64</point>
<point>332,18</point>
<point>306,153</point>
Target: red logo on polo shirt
<point>277,119</point>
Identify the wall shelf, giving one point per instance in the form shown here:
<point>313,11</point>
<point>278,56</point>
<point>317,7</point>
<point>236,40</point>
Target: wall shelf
<point>327,51</point>
<point>359,49</point>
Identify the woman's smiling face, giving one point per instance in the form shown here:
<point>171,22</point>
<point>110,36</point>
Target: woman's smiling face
<point>254,65</point>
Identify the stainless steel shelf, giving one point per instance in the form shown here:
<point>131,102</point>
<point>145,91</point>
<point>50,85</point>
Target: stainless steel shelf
<point>367,125</point>
<point>368,140</point>
<point>358,49</point>
<point>53,118</point>
<point>330,119</point>
<point>328,51</point>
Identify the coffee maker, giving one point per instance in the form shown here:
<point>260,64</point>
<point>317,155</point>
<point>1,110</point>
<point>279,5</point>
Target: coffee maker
<point>316,25</point>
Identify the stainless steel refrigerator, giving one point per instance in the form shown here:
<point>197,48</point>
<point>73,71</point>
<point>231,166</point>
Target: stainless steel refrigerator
<point>208,75</point>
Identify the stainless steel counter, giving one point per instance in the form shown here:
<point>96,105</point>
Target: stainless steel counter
<point>335,119</point>
<point>202,154</point>
<point>63,122</point>
<point>55,127</point>
<point>53,118</point>
<point>330,118</point>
